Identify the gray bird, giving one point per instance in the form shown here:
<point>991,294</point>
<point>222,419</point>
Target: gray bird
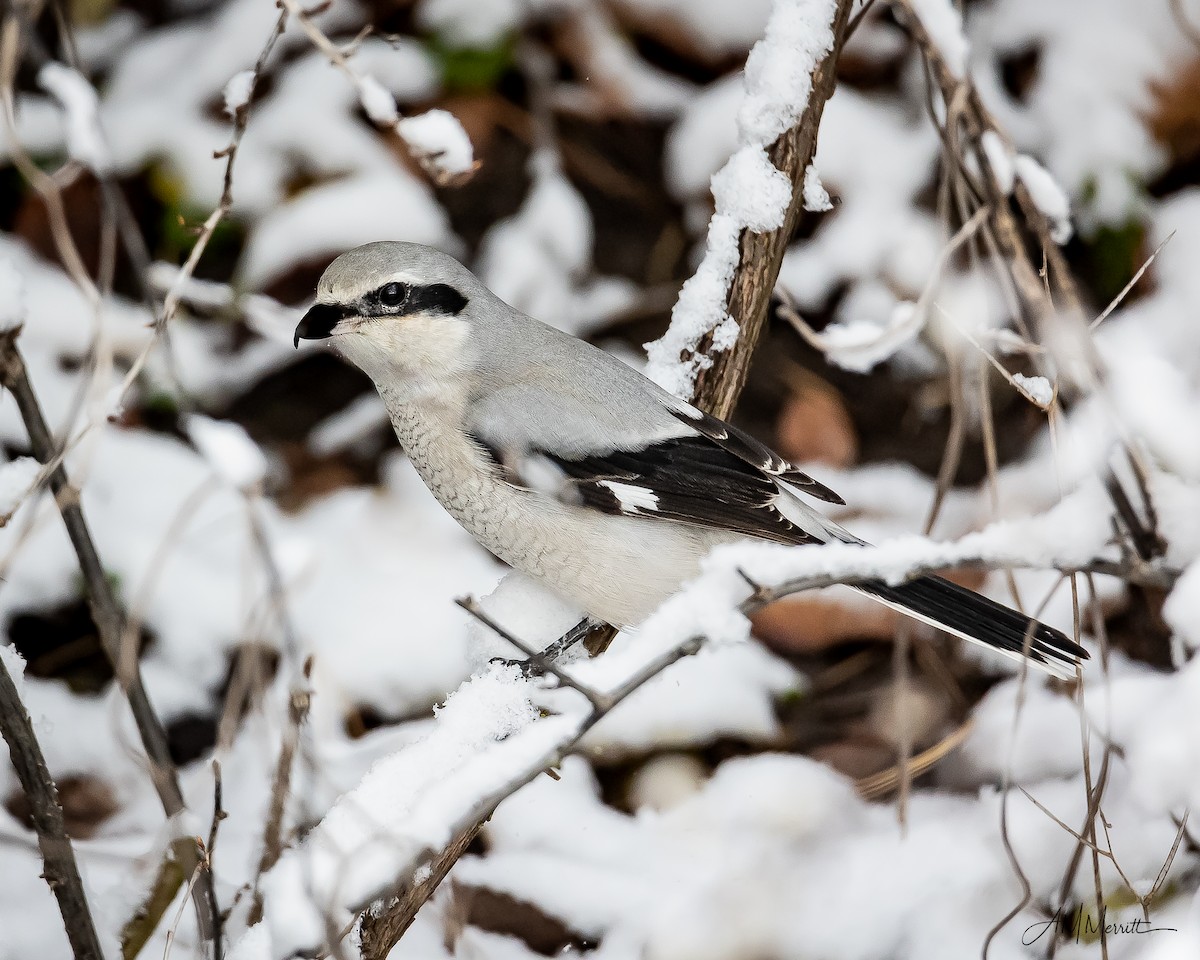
<point>576,469</point>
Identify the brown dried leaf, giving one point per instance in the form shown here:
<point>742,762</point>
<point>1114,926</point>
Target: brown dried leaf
<point>814,425</point>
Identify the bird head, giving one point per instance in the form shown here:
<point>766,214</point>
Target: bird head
<point>395,310</point>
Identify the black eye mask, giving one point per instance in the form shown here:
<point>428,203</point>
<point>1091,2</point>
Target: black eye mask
<point>391,300</point>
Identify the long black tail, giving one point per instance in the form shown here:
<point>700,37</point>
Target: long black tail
<point>974,617</point>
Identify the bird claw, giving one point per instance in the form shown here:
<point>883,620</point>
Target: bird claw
<point>529,670</point>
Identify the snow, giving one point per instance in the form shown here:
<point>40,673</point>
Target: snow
<point>1037,389</point>
<point>1182,608</point>
<point>17,479</point>
<point>1068,535</point>
<point>379,105</point>
<point>879,163</point>
<point>341,430</point>
<point>704,137</point>
<point>80,104</point>
<point>12,297</point>
<point>238,91</point>
<point>615,78</point>
<point>1000,160</point>
<point>235,458</point>
<point>14,663</point>
<point>330,218</point>
<point>539,259</point>
<point>816,197</point>
<point>1093,136</point>
<point>861,345</point>
<point>437,137</point>
<point>719,29</point>
<point>1047,196</point>
<point>749,192</point>
<point>406,804</point>
<point>943,22</point>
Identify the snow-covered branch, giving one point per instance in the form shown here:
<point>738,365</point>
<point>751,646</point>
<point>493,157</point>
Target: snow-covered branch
<point>759,196</point>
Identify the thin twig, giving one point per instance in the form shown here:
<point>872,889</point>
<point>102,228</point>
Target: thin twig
<point>1120,297</point>
<point>298,705</point>
<point>173,296</point>
<point>59,868</point>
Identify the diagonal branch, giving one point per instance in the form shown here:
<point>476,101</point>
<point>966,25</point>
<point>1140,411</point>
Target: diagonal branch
<point>60,870</point>
<point>761,254</point>
<point>110,620</point>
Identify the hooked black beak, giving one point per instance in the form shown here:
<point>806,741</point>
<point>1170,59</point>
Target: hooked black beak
<point>318,323</point>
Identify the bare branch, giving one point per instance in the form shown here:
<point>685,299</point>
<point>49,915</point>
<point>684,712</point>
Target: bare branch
<point>60,870</point>
<point>110,620</point>
<point>298,704</point>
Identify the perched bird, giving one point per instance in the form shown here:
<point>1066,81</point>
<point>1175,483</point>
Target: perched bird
<point>576,469</point>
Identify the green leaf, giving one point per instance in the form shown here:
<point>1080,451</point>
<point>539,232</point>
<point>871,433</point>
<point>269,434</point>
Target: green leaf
<point>471,69</point>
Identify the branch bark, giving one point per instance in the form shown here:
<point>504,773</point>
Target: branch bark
<point>60,870</point>
<point>761,254</point>
<point>110,622</point>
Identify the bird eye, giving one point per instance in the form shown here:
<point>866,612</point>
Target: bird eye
<point>393,294</point>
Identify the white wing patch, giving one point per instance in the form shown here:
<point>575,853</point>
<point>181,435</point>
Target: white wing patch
<point>633,499</point>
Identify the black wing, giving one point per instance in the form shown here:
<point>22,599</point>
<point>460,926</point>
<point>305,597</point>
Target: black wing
<point>687,479</point>
<point>759,455</point>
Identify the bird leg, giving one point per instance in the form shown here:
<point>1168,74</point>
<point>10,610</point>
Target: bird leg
<point>580,632</point>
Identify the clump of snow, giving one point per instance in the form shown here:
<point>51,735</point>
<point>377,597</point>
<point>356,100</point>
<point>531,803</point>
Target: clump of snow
<point>943,22</point>
<point>330,218</point>
<point>527,610</point>
<point>719,29</point>
<point>439,139</point>
<point>752,190</point>
<point>14,663</point>
<point>1070,534</point>
<point>1182,608</point>
<point>861,345</point>
<point>79,102</point>
<point>539,259</point>
<point>238,91</point>
<point>816,197</point>
<point>407,804</point>
<point>780,66</point>
<point>1000,159</point>
<point>1037,389</point>
<point>235,458</point>
<point>17,479</point>
<point>12,296</point>
<point>749,193</point>
<point>880,163</point>
<point>1047,196</point>
<point>704,137</point>
<point>478,24</point>
<point>378,103</point>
